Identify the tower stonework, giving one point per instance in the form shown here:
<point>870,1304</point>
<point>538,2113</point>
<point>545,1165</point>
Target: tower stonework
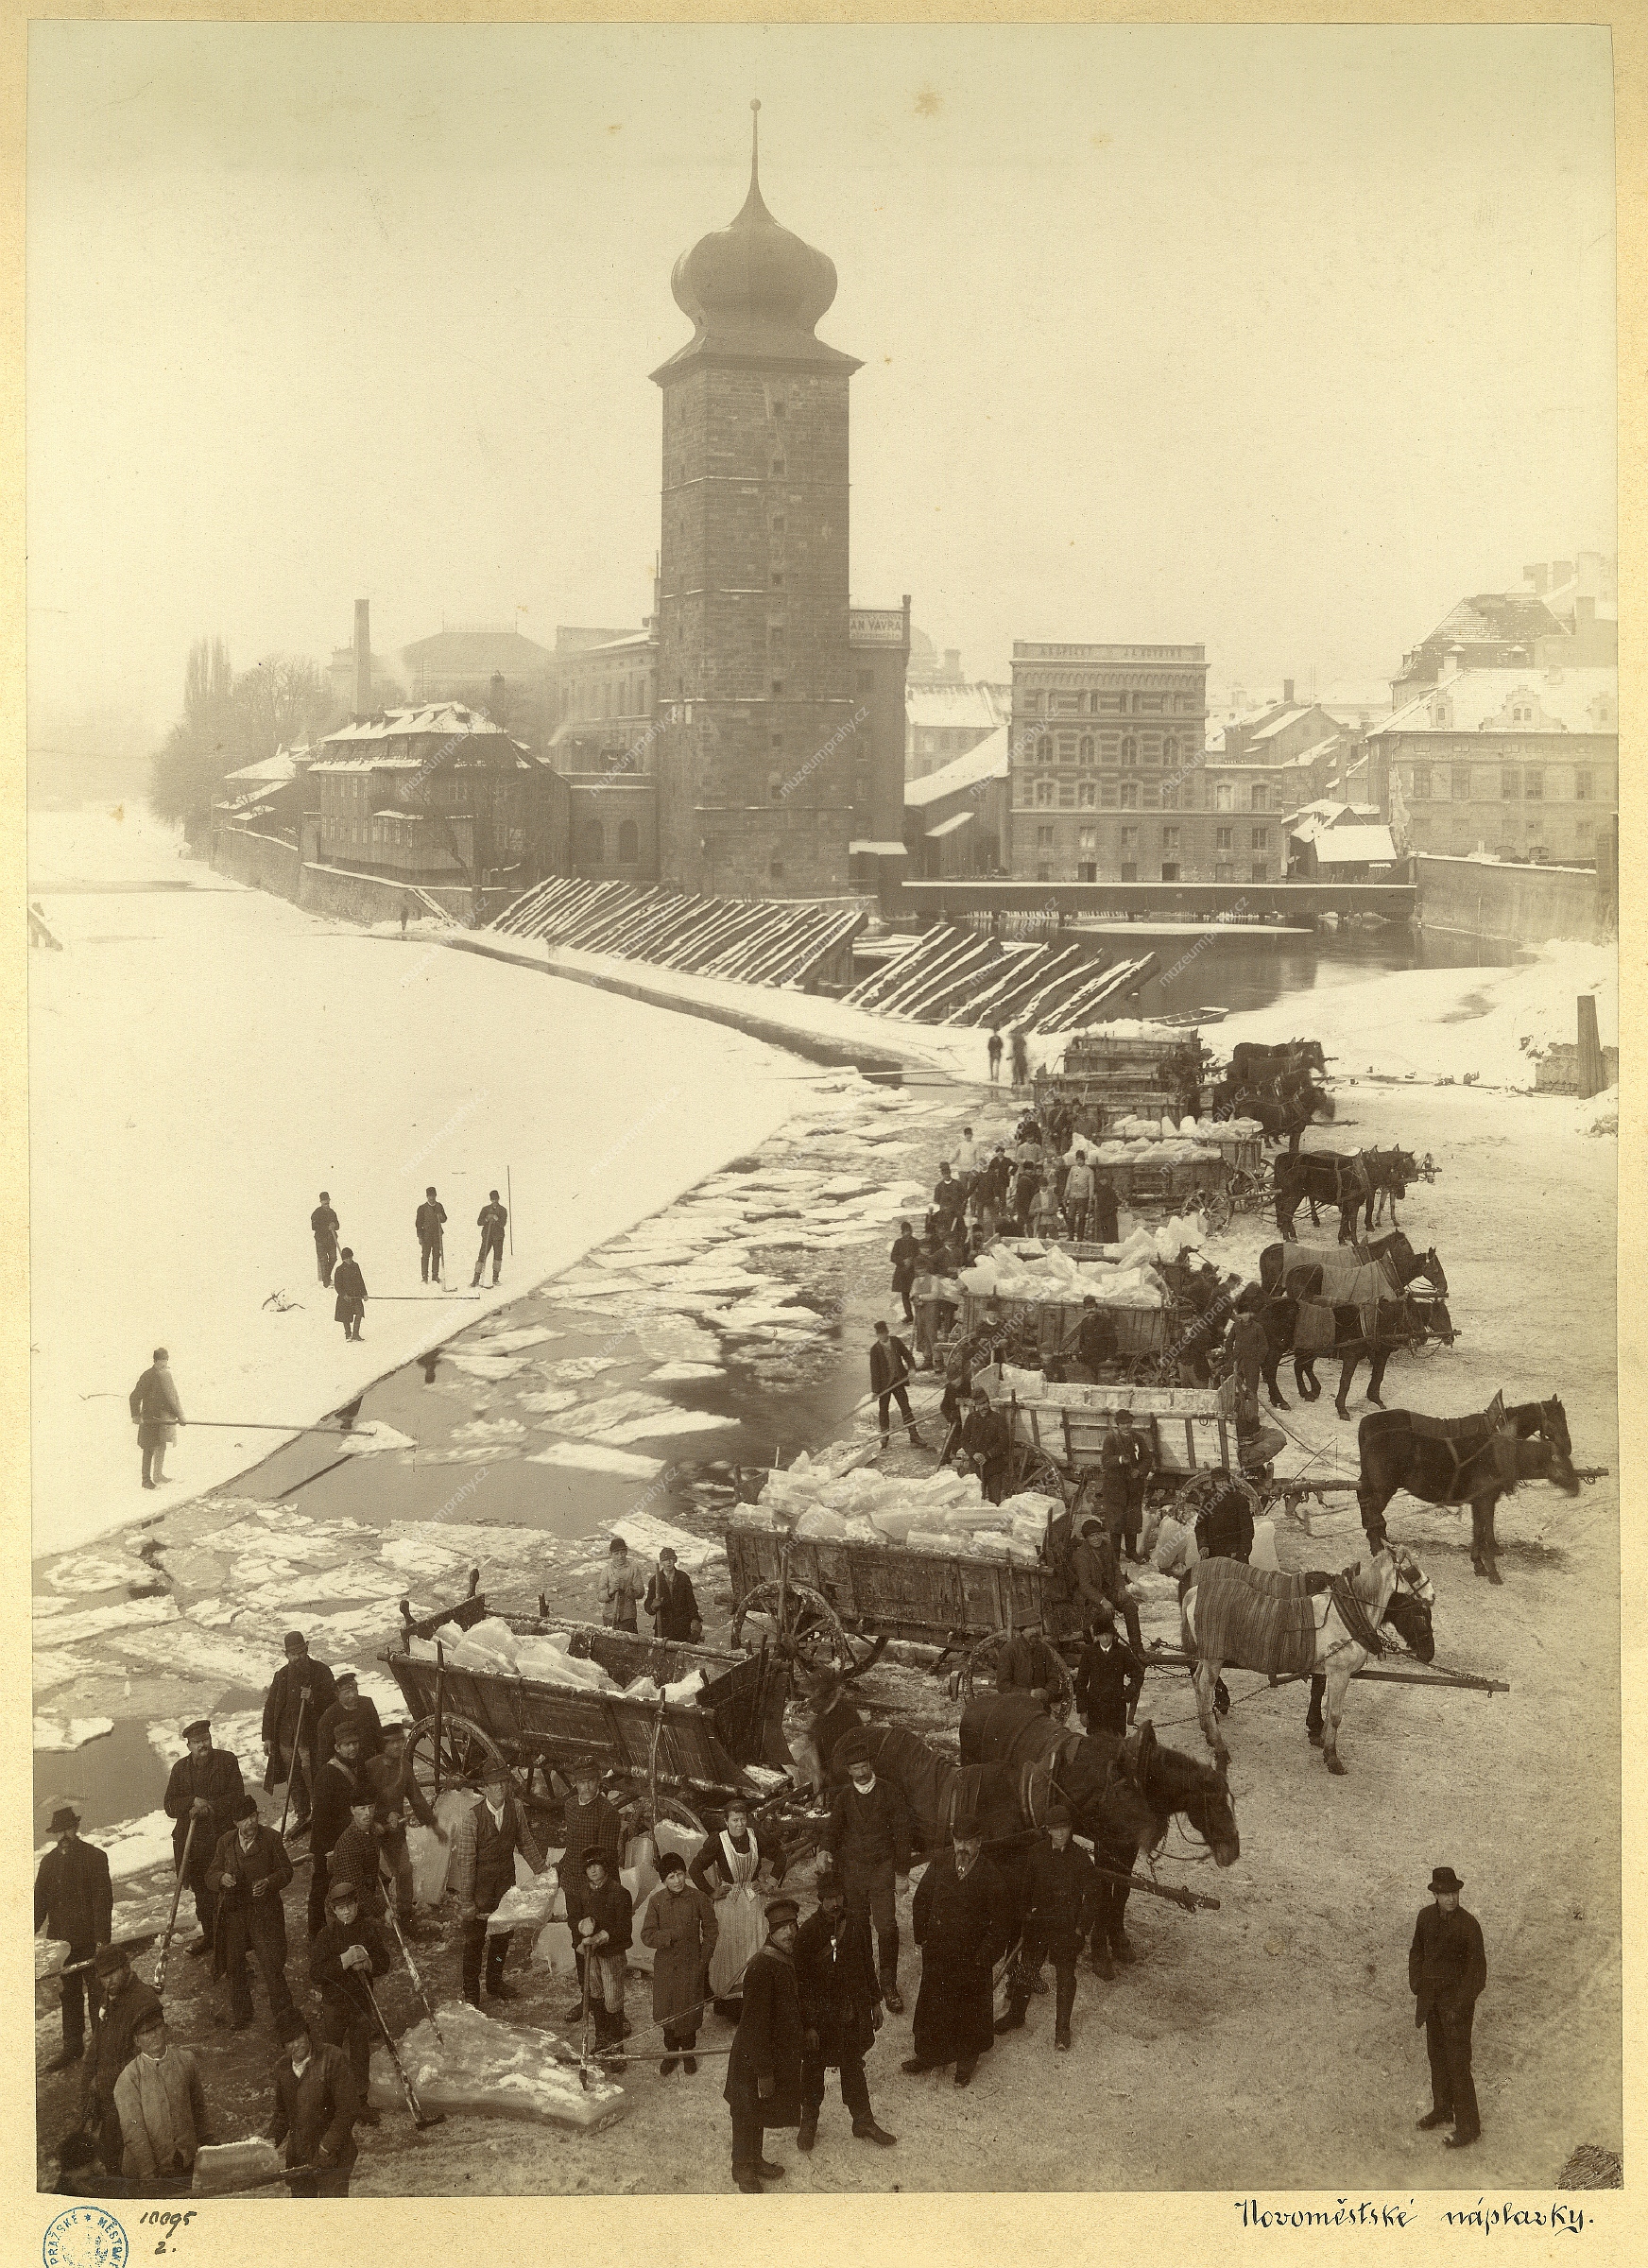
<point>755,670</point>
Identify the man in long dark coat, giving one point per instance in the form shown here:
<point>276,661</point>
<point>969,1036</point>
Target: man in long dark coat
<point>672,1603</point>
<point>868,1840</point>
<point>204,1789</point>
<point>985,1446</point>
<point>430,1223</point>
<point>350,1286</point>
<point>679,1925</point>
<point>961,1923</point>
<point>763,2072</point>
<point>1447,1970</point>
<point>249,1871</point>
<point>75,1898</point>
<point>1059,1886</point>
<point>1027,1664</point>
<point>491,1221</point>
<point>300,1684</point>
<point>334,1790</point>
<point>316,2105</point>
<point>343,1957</point>
<point>157,1412</point>
<point>841,2012</point>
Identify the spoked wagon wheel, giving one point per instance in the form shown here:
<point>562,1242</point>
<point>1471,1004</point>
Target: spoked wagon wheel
<point>806,1628</point>
<point>1029,1468</point>
<point>466,1754</point>
<point>1218,1211</point>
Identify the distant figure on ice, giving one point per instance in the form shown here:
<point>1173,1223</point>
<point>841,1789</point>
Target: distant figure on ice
<point>994,1051</point>
<point>203,1793</point>
<point>324,1222</point>
<point>429,1222</point>
<point>157,1414</point>
<point>350,1287</point>
<point>491,1221</point>
<point>1020,1061</point>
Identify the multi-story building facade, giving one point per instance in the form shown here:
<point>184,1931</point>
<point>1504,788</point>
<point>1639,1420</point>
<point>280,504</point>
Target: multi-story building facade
<point>1519,763</point>
<point>1107,765</point>
<point>757,677</point>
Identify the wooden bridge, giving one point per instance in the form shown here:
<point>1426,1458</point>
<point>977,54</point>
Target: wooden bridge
<point>1237,903</point>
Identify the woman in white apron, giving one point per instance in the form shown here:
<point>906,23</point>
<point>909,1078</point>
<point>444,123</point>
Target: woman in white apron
<point>726,1869</point>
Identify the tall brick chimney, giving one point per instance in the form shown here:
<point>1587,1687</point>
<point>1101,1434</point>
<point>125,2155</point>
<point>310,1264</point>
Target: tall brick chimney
<point>363,657</point>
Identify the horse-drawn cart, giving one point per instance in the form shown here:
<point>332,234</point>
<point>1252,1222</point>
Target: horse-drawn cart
<point>1190,1429</point>
<point>1047,1327</point>
<point>680,1756</point>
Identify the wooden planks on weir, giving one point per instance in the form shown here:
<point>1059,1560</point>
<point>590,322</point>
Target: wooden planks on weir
<point>748,941</point>
<point>958,976</point>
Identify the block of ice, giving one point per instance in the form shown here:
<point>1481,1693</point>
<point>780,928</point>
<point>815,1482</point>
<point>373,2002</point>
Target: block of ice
<point>481,2065</point>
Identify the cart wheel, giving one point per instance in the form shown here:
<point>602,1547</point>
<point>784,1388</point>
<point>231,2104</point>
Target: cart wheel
<point>806,1628</point>
<point>1218,1209</point>
<point>466,1754</point>
<point>1031,1467</point>
<point>671,1806</point>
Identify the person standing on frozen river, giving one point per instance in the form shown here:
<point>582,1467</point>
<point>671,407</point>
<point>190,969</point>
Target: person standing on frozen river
<point>490,1221</point>
<point>157,1414</point>
<point>324,1222</point>
<point>430,1223</point>
<point>350,1287</point>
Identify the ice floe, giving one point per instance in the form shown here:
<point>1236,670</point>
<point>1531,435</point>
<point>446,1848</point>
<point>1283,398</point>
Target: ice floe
<point>49,1733</point>
<point>590,1456</point>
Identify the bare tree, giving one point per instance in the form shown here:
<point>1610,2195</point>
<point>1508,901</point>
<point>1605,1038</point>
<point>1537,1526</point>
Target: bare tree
<point>202,745</point>
<point>281,703</point>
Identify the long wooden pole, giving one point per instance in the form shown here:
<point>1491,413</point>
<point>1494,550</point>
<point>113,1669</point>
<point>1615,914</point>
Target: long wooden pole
<point>1465,1678</point>
<point>292,1765</point>
<point>172,1917</point>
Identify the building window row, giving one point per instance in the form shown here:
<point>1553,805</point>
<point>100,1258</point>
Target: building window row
<point>1111,704</point>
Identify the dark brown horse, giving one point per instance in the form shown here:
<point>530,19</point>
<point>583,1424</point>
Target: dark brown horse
<point>1251,1062</point>
<point>1341,1331</point>
<point>1347,1182</point>
<point>1463,1461</point>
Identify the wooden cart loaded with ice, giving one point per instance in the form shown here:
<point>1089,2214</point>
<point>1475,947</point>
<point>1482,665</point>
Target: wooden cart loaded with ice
<point>1190,1429</point>
<point>683,1757</point>
<point>841,1602</point>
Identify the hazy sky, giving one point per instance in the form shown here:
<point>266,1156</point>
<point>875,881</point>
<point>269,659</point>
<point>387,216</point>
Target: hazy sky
<point>1279,339</point>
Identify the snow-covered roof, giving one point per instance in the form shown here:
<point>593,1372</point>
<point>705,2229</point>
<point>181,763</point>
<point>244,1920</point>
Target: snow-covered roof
<point>949,707</point>
<point>454,719</point>
<point>1354,846</point>
<point>1279,723</point>
<point>1314,754</point>
<point>1484,700</point>
<point>269,771</point>
<point>957,822</point>
<point>989,761</point>
<point>612,649</point>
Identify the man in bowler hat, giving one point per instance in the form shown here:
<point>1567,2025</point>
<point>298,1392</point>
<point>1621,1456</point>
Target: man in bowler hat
<point>1446,1969</point>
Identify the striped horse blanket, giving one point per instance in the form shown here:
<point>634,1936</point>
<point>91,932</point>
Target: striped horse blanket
<point>1253,1618</point>
<point>1350,1274</point>
<point>1313,1331</point>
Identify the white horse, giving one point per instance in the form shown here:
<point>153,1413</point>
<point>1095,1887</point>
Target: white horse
<point>1377,1590</point>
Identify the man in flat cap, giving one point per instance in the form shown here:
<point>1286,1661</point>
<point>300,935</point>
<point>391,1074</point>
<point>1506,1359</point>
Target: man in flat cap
<point>348,1707</point>
<point>588,1822</point>
<point>763,2072</point>
<point>301,1692</point>
<point>601,1915</point>
<point>350,1305</point>
<point>485,1841</point>
<point>162,2108</point>
<point>335,1786</point>
<point>74,1900</point>
<point>157,1412</point>
<point>202,1794</point>
<point>344,1958</point>
<point>323,1221</point>
<point>869,1842</point>
<point>1447,1970</point>
<point>125,2002</point>
<point>316,2105</point>
<point>962,1923</point>
<point>249,1871</point>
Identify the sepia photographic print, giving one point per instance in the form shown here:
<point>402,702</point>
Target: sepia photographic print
<point>822,1102</point>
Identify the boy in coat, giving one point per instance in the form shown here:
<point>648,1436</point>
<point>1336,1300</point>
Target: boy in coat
<point>841,2012</point>
<point>316,2105</point>
<point>343,1960</point>
<point>962,1923</point>
<point>1447,1970</point>
<point>679,1925</point>
<point>1109,1680</point>
<point>601,1915</point>
<point>763,2072</point>
<point>157,1414</point>
<point>350,1286</point>
<point>249,1871</point>
<point>74,1899</point>
<point>202,1795</point>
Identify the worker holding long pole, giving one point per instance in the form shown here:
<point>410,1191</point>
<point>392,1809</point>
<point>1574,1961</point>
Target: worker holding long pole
<point>491,1221</point>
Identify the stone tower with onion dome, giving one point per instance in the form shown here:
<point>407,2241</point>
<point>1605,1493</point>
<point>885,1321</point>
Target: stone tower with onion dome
<point>755,675</point>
